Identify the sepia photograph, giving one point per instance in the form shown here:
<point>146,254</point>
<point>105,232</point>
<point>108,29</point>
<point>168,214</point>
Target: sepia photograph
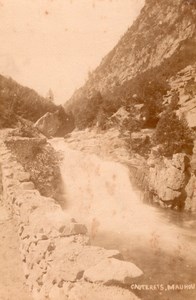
<point>98,150</point>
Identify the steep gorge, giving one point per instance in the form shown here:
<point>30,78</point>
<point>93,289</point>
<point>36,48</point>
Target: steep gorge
<point>145,87</point>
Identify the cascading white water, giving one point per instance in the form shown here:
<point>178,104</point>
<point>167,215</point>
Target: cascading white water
<point>99,193</point>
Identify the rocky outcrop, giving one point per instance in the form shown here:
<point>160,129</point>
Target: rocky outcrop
<point>167,180</point>
<point>54,248</point>
<point>183,84</point>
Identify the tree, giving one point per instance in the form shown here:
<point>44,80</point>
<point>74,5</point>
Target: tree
<point>172,134</point>
<point>50,95</point>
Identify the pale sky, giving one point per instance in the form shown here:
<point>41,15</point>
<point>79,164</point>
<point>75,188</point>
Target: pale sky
<point>52,44</point>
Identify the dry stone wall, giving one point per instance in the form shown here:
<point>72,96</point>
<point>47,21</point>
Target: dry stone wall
<point>58,261</point>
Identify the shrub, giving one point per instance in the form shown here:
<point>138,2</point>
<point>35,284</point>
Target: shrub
<point>85,110</point>
<point>7,116</point>
<point>141,146</point>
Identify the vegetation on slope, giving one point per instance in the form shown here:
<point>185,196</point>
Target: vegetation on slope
<point>18,100</point>
<point>127,71</point>
<point>18,103</point>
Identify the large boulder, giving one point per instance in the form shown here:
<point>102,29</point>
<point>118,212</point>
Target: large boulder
<point>120,116</point>
<point>70,258</point>
<point>48,124</point>
<point>58,123</point>
<point>112,270</point>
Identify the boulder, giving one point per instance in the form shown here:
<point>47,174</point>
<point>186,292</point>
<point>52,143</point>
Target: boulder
<point>48,124</point>
<point>120,116</point>
<point>69,259</point>
<point>27,185</point>
<point>112,270</point>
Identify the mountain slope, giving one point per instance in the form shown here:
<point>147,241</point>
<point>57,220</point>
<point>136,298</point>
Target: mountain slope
<point>161,42</point>
<point>18,100</point>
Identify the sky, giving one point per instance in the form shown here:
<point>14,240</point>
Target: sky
<point>53,44</point>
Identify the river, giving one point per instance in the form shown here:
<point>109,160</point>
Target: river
<point>161,242</point>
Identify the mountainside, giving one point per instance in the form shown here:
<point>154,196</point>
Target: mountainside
<point>18,101</point>
<point>22,101</point>
<point>161,42</point>
<point>145,90</point>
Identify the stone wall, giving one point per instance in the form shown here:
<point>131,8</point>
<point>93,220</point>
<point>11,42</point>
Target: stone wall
<point>40,160</point>
<point>57,258</point>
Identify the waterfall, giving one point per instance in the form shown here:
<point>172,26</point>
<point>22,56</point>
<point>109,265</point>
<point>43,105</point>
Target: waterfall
<point>99,193</point>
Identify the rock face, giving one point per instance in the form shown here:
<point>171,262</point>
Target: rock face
<point>54,248</point>
<point>163,30</point>
<point>167,181</point>
<point>184,85</point>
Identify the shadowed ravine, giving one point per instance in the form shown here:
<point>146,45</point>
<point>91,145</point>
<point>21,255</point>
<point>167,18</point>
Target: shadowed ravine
<point>99,193</point>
